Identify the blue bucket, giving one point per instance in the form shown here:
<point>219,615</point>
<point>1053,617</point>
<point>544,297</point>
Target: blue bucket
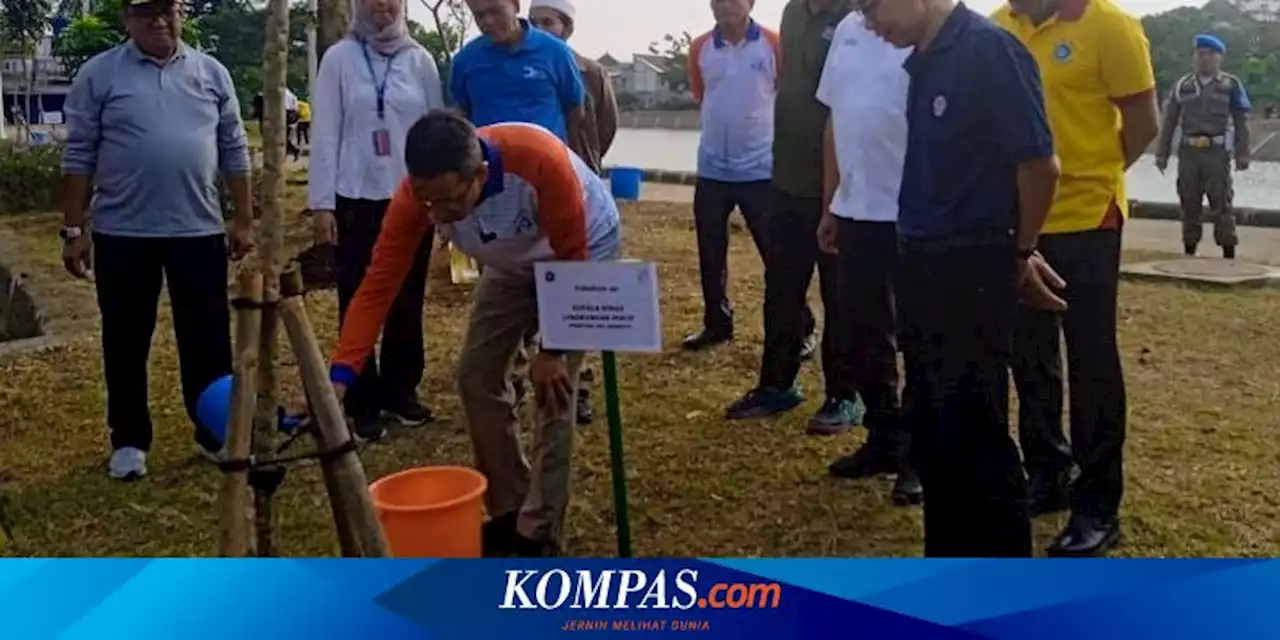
<point>625,182</point>
<point>213,409</point>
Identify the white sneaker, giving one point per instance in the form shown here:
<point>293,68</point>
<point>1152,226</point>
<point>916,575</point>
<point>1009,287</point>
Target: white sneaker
<point>127,463</point>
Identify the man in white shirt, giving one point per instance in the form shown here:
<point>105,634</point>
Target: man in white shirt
<point>865,87</point>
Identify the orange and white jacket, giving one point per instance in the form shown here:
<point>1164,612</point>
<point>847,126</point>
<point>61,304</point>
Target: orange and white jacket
<point>540,203</point>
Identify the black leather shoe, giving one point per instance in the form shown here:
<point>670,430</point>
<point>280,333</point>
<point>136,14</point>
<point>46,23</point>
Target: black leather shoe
<point>907,490</point>
<point>1086,537</point>
<point>498,537</point>
<point>863,463</point>
<point>1229,252</point>
<point>1189,249</point>
<point>706,339</point>
<point>1048,494</point>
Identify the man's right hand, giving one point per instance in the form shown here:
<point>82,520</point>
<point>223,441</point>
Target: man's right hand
<point>77,256</point>
<point>326,227</point>
<point>827,234</point>
<point>1038,284</point>
<point>1162,164</point>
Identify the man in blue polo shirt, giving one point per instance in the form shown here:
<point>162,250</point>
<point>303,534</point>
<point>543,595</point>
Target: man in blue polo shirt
<point>978,180</point>
<point>515,72</point>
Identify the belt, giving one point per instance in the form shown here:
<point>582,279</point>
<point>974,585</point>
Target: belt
<point>992,238</point>
<point>1204,142</point>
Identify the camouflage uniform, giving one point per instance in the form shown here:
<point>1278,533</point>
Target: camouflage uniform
<point>1204,110</point>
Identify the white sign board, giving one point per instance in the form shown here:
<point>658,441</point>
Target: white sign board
<point>51,117</point>
<point>599,306</point>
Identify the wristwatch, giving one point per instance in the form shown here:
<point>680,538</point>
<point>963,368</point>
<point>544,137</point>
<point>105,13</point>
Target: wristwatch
<point>1025,254</point>
<point>70,233</point>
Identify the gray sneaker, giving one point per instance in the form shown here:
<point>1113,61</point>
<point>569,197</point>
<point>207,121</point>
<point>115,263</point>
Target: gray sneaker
<point>127,464</point>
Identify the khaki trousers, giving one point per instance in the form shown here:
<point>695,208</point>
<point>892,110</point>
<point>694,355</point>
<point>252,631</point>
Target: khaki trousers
<point>504,311</point>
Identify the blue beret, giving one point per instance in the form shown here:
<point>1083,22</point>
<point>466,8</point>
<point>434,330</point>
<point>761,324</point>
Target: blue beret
<point>1211,42</point>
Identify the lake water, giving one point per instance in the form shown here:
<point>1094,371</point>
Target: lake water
<point>677,150</point>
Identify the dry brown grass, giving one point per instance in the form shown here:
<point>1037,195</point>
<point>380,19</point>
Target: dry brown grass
<point>1202,452</point>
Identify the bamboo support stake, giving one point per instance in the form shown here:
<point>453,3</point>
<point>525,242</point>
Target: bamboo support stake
<point>233,528</point>
<point>351,502</point>
<point>274,135</point>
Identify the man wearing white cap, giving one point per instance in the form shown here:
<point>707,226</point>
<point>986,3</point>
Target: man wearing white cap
<point>592,140</point>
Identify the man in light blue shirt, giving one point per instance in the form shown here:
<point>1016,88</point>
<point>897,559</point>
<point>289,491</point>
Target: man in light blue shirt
<point>515,72</point>
<point>151,124</point>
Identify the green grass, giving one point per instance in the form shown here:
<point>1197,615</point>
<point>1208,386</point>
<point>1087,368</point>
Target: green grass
<point>1201,455</point>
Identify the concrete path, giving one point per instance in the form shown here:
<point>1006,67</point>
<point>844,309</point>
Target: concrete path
<point>1257,244</point>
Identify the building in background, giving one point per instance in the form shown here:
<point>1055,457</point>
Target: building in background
<point>642,82</point>
<point>50,89</point>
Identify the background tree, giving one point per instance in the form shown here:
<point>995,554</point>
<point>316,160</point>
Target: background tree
<point>332,17</point>
<point>92,33</point>
<point>1252,47</point>
<point>232,32</point>
<point>674,51</point>
<point>24,23</point>
<point>451,19</point>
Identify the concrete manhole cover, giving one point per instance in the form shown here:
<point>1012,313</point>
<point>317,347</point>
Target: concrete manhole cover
<point>1210,268</point>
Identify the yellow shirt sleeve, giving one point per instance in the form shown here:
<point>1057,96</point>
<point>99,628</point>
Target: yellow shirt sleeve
<point>1126,57</point>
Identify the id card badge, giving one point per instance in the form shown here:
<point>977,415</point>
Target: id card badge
<point>381,143</point>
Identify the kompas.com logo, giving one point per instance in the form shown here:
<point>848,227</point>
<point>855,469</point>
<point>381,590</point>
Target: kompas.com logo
<point>631,589</point>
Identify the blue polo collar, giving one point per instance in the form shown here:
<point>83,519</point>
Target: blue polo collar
<point>946,37</point>
<point>179,52</point>
<point>753,34</point>
<point>494,182</point>
<point>528,32</point>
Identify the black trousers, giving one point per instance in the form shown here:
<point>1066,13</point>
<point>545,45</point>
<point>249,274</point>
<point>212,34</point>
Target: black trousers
<point>1090,263</point>
<point>957,304</point>
<point>395,382</point>
<point>713,201</point>
<point>128,274</point>
<point>868,264</point>
<point>791,251</point>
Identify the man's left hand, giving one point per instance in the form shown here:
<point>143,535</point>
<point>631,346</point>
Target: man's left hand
<point>240,239</point>
<point>1242,164</point>
<point>551,385</point>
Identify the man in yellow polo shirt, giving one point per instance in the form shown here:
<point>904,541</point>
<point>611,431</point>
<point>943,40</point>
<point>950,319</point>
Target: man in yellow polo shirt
<point>1100,96</point>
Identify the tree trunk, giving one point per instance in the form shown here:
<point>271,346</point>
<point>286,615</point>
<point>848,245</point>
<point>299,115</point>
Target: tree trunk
<point>271,241</point>
<point>333,24</point>
<point>313,54</point>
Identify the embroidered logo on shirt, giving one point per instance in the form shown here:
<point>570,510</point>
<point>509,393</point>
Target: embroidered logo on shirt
<point>1062,52</point>
<point>939,105</point>
<point>757,65</point>
<point>531,73</point>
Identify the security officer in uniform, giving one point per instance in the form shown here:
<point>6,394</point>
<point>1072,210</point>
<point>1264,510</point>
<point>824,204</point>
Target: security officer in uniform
<point>1204,103</point>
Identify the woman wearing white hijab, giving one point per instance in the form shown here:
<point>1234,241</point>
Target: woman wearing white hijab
<point>372,86</point>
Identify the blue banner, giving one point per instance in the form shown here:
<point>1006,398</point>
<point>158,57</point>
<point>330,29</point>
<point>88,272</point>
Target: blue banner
<point>447,599</point>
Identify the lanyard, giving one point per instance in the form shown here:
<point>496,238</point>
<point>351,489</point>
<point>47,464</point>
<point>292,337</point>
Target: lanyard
<point>379,87</point>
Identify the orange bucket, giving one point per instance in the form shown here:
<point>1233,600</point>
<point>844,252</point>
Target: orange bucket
<point>431,512</point>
